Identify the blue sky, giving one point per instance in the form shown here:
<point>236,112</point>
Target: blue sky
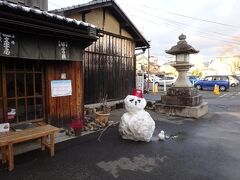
<point>211,26</point>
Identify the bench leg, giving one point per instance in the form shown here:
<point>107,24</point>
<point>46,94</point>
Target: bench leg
<point>43,143</point>
<point>10,157</point>
<point>4,154</point>
<point>52,143</point>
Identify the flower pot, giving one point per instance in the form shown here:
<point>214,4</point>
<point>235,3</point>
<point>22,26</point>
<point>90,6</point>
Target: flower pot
<point>102,117</point>
<point>78,131</point>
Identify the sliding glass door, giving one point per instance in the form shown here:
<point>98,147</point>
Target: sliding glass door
<point>22,91</point>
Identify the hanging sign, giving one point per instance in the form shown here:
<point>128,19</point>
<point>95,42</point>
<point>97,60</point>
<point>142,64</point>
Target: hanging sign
<point>8,46</point>
<point>28,46</point>
<point>61,88</point>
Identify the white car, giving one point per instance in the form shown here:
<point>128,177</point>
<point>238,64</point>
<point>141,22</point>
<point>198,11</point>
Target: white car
<point>154,78</point>
<point>169,81</point>
<point>232,81</point>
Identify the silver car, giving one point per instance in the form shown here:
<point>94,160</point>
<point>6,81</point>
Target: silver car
<point>169,81</point>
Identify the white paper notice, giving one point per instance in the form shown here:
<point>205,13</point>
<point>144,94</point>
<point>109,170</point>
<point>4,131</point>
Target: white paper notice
<point>61,88</point>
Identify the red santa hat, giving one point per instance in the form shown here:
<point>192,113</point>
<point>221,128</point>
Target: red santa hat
<point>138,93</point>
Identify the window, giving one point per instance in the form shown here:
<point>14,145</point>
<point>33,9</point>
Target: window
<point>208,79</point>
<point>24,91</point>
<point>224,78</point>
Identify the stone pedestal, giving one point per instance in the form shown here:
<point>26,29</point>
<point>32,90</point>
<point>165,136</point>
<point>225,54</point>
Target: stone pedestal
<point>183,111</point>
<point>182,101</point>
<point>182,96</point>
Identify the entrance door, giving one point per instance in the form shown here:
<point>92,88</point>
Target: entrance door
<point>22,91</point>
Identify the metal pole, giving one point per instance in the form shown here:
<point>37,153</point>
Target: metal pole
<point>164,86</point>
<point>148,67</point>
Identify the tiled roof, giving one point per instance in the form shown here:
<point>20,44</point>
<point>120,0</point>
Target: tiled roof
<point>93,2</point>
<point>46,14</point>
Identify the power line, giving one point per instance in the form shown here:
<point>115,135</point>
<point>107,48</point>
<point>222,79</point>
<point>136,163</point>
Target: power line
<point>203,34</point>
<point>190,17</point>
<point>175,22</point>
<point>182,25</point>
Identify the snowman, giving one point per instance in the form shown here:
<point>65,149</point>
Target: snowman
<point>136,124</point>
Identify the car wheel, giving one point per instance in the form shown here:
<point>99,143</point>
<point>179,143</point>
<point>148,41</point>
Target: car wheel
<point>198,87</point>
<point>222,88</point>
<point>233,84</point>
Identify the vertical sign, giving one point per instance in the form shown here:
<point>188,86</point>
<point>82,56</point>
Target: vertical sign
<point>8,44</point>
<point>63,50</point>
<point>61,88</point>
<point>140,82</point>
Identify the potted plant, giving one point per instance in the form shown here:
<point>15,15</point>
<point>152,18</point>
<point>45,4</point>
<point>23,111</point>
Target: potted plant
<point>103,113</point>
<point>77,125</point>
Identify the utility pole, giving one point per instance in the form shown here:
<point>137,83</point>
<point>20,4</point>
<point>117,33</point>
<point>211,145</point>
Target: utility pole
<point>148,66</point>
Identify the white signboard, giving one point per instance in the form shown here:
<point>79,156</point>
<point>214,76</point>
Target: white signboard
<point>4,127</point>
<point>61,88</point>
<point>140,82</point>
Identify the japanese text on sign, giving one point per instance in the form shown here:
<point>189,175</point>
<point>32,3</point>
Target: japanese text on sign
<point>61,88</point>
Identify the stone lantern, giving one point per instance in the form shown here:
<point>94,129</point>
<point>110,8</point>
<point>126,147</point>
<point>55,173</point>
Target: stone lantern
<point>182,51</point>
<point>182,99</point>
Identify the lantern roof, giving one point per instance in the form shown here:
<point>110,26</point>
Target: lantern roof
<point>182,47</point>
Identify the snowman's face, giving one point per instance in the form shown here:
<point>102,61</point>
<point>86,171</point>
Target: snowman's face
<point>134,103</point>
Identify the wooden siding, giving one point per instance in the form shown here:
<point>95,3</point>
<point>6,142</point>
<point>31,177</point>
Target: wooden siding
<point>109,68</point>
<point>57,110</point>
<point>61,109</point>
<point>109,63</point>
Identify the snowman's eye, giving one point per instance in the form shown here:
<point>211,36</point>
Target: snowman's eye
<point>139,100</point>
<point>131,100</point>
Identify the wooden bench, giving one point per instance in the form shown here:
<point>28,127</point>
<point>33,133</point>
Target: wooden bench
<point>7,141</point>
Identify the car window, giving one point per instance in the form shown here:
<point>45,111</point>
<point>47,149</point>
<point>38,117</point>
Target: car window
<point>216,78</point>
<point>208,78</point>
<point>224,78</point>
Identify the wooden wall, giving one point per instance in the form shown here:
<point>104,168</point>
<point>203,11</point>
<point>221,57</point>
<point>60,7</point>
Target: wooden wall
<point>61,109</point>
<point>109,68</point>
<point>109,63</point>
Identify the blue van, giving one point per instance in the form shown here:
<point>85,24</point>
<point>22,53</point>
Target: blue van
<point>209,82</point>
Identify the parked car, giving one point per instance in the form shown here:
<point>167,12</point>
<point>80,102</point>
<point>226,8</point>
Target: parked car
<point>209,82</point>
<point>233,81</point>
<point>238,77</point>
<point>193,79</point>
<point>153,78</point>
<point>169,81</point>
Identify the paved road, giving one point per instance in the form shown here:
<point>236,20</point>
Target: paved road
<point>203,149</point>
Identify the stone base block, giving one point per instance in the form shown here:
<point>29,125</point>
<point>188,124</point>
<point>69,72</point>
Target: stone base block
<point>181,100</point>
<point>182,91</point>
<point>183,111</point>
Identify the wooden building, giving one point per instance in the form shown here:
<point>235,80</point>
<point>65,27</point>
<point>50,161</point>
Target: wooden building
<point>41,65</point>
<point>109,63</point>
